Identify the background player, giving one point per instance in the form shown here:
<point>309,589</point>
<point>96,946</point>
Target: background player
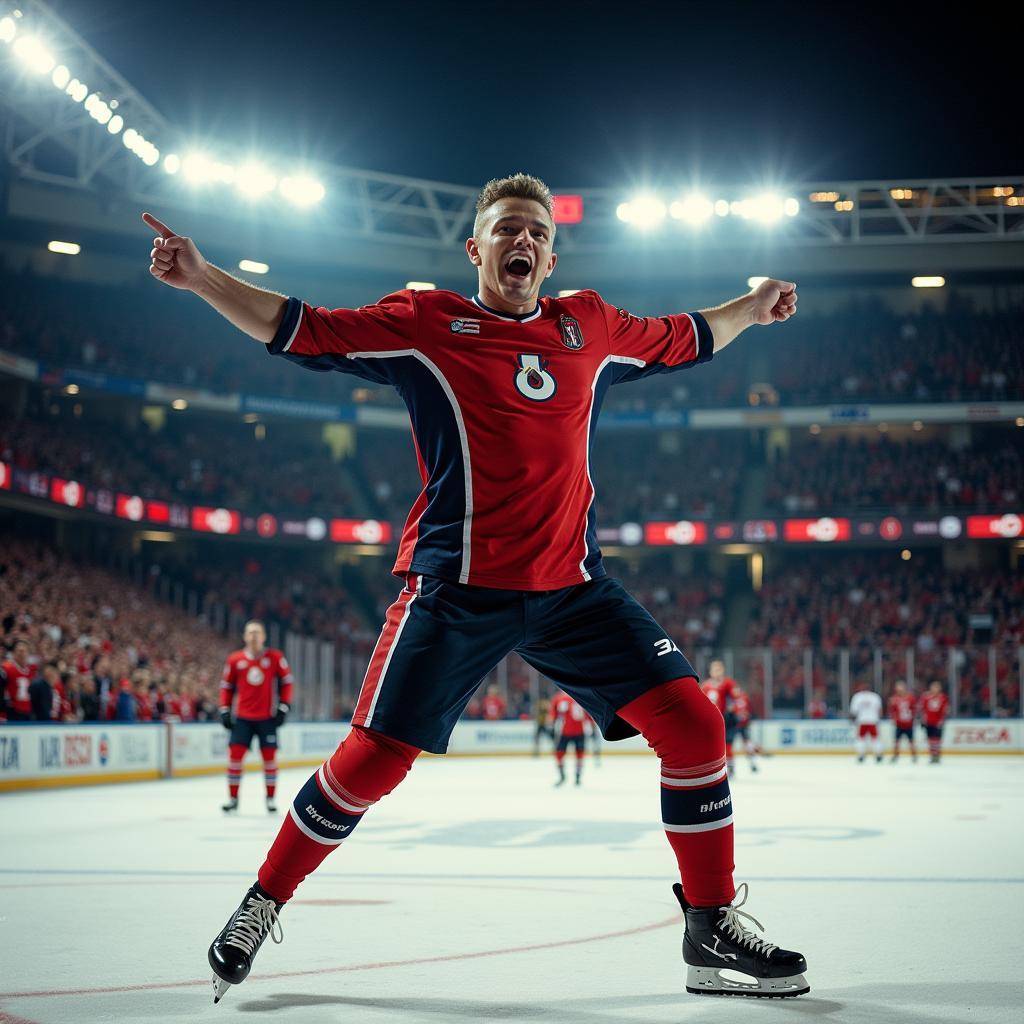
<point>934,708</point>
<point>866,713</point>
<point>541,725</point>
<point>719,688</point>
<point>742,715</point>
<point>570,723</point>
<point>262,681</point>
<point>500,553</point>
<point>902,707</point>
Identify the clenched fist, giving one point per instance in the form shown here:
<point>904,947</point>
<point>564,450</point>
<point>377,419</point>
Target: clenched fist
<point>174,259</point>
<point>774,301</point>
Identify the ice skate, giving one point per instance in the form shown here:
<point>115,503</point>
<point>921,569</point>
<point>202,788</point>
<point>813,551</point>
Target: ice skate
<point>231,954</point>
<point>271,805</point>
<point>724,958</point>
<point>231,806</point>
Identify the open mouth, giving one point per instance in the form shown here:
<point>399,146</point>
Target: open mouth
<point>519,266</point>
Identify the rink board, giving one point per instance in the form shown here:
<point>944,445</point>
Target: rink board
<point>42,755</point>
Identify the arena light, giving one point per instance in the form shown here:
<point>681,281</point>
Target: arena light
<point>753,282</point>
<point>694,209</point>
<point>420,286</point>
<point>253,266</point>
<point>928,282</point>
<point>767,208</point>
<point>77,90</point>
<point>8,29</point>
<point>566,292</point>
<point>64,248</point>
<point>254,180</point>
<point>172,163</point>
<point>722,208</point>
<point>35,54</point>
<point>179,404</point>
<point>197,168</point>
<point>60,77</point>
<point>301,190</point>
<point>644,212</point>
<point>116,124</point>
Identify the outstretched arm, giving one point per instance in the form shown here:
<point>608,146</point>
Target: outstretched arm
<point>175,261</point>
<point>770,302</point>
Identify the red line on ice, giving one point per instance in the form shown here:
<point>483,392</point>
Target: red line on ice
<point>664,923</point>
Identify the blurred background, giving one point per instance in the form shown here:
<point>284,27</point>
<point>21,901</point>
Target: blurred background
<point>834,501</point>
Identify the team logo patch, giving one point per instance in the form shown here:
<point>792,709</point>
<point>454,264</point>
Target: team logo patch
<point>465,326</point>
<point>533,380</point>
<point>572,336</point>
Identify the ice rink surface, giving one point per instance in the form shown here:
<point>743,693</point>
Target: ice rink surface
<point>477,892</point>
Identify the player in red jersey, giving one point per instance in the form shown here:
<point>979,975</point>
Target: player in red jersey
<point>719,688</point>
<point>262,682</point>
<point>742,714</point>
<point>18,673</point>
<point>571,724</point>
<point>902,707</point>
<point>500,551</point>
<point>933,709</point>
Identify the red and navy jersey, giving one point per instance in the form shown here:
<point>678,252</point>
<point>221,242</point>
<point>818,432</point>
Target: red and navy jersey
<point>503,411</point>
<point>934,707</point>
<point>17,681</point>
<point>494,707</point>
<point>570,717</point>
<point>261,682</point>
<point>720,692</point>
<point>741,708</point>
<point>901,709</point>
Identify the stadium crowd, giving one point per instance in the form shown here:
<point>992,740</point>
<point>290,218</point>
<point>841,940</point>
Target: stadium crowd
<point>858,603</point>
<point>859,352</point>
<point>848,474</point>
<point>107,649</point>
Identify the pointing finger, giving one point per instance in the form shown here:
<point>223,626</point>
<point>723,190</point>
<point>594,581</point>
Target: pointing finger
<point>157,225</point>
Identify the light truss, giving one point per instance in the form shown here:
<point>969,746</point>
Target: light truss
<point>49,139</point>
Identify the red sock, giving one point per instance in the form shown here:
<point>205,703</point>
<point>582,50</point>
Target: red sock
<point>688,733</point>
<point>366,766</point>
<point>270,769</point>
<point>236,755</point>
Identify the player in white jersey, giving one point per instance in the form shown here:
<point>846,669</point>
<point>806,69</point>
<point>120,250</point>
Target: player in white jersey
<point>866,713</point>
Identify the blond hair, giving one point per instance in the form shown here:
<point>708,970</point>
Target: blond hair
<point>516,186</point>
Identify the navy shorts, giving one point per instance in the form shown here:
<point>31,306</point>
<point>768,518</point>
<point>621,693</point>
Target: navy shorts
<point>441,639</point>
<point>578,743</point>
<point>907,731</point>
<point>244,729</point>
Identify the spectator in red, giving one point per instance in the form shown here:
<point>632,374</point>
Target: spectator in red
<point>495,707</point>
<point>17,675</point>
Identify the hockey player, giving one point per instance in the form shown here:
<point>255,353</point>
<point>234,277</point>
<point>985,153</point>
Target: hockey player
<point>719,688</point>
<point>866,712</point>
<point>901,710</point>
<point>742,713</point>
<point>934,709</point>
<point>500,552</point>
<point>571,723</point>
<point>262,681</point>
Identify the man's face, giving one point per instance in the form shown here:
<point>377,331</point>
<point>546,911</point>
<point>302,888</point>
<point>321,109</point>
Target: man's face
<point>900,688</point>
<point>513,250</point>
<point>254,637</point>
<point>21,652</point>
<point>717,669</point>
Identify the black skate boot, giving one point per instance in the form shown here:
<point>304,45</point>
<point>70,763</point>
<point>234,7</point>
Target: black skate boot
<point>271,805</point>
<point>231,806</point>
<point>716,941</point>
<point>231,954</point>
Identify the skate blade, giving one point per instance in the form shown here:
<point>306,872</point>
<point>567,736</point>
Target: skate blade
<point>220,988</point>
<point>714,981</point>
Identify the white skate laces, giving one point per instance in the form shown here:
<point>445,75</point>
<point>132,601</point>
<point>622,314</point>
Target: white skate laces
<point>258,916</point>
<point>732,924</point>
